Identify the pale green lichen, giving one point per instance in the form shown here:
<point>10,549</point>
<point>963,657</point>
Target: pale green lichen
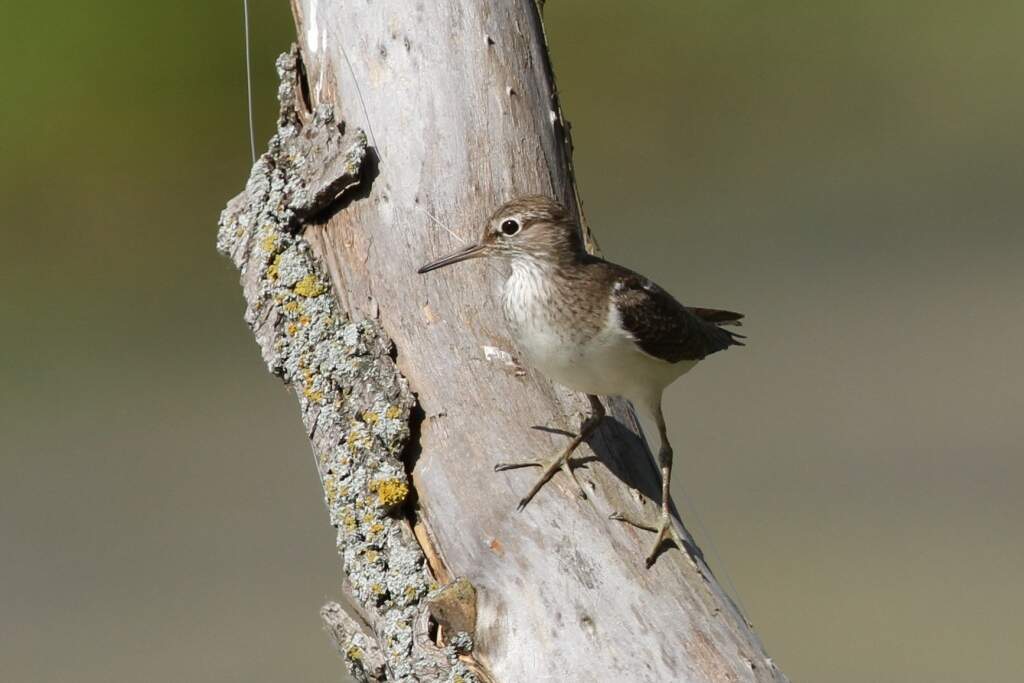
<point>354,401</point>
<point>461,642</point>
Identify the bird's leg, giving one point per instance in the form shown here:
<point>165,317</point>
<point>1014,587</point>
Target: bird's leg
<point>665,530</point>
<point>561,460</point>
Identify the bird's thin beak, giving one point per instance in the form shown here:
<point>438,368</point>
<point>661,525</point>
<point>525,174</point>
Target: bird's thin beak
<point>464,254</point>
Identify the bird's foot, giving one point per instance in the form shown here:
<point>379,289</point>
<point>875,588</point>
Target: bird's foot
<point>666,531</point>
<point>561,461</point>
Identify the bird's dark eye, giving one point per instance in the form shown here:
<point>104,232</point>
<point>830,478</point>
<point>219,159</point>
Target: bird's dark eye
<point>510,227</point>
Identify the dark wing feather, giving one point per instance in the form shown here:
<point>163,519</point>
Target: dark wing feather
<point>662,326</point>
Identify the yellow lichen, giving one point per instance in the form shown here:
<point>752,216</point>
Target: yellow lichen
<point>349,521</point>
<point>357,438</point>
<point>393,412</point>
<point>290,329</point>
<point>354,654</point>
<point>370,417</point>
<point>309,286</point>
<point>309,389</point>
<point>330,489</point>
<point>376,528</point>
<point>292,307</point>
<point>272,272</point>
<point>390,492</point>
<point>372,555</point>
<point>269,242</point>
<point>377,589</point>
<point>304,319</point>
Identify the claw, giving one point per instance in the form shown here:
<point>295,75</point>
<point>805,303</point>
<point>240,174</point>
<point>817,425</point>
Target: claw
<point>665,531</point>
<point>502,466</point>
<point>567,468</point>
<point>561,461</point>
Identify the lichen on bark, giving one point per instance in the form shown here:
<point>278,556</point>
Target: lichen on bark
<point>354,402</point>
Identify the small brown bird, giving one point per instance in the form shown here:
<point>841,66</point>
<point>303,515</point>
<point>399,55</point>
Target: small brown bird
<point>593,326</point>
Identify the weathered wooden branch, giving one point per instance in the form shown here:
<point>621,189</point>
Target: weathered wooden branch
<point>406,386</point>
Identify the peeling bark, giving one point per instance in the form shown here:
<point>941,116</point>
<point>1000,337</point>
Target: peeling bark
<point>458,103</point>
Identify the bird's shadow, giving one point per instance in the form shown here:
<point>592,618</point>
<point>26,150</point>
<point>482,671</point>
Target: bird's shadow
<point>617,447</point>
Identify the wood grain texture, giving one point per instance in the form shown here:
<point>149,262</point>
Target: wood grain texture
<point>461,114</point>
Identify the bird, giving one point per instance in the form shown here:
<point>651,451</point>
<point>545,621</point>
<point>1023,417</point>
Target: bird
<point>595,327</point>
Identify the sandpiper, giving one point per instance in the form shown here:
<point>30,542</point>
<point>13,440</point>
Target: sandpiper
<point>593,326</point>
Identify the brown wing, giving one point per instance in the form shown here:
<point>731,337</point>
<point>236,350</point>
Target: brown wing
<point>662,326</point>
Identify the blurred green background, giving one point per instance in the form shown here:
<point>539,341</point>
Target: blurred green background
<point>849,174</point>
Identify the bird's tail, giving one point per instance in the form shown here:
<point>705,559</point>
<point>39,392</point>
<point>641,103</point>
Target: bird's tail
<point>718,317</point>
<point>735,338</point>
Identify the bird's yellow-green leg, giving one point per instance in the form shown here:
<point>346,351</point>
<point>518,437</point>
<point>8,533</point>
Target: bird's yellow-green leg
<point>665,530</point>
<point>561,461</point>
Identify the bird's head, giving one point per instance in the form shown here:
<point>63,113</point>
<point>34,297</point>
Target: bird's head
<point>527,228</point>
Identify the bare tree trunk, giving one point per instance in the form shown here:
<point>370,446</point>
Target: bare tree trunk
<point>459,110</point>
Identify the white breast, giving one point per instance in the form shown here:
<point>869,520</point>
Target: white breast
<point>605,362</point>
<point>527,301</point>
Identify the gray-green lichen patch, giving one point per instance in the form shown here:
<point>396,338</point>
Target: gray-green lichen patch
<point>460,673</point>
<point>355,404</point>
<point>360,651</point>
<point>461,642</point>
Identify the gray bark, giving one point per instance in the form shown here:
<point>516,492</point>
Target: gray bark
<point>405,382</point>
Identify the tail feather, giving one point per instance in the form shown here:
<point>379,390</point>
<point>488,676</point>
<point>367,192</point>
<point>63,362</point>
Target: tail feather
<point>717,316</point>
<point>716,319</point>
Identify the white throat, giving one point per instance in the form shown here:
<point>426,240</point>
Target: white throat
<point>527,292</point>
